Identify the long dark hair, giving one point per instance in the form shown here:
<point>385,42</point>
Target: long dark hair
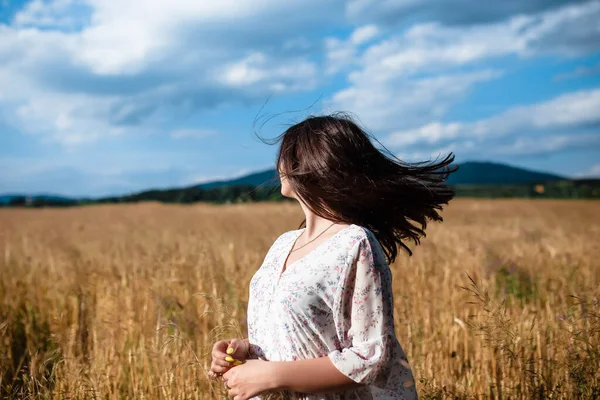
<point>332,165</point>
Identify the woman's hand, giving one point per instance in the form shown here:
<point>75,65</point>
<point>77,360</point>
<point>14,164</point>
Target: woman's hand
<point>226,354</point>
<point>250,379</point>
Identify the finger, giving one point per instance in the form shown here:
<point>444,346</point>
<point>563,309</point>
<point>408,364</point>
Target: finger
<point>237,349</point>
<point>220,345</point>
<point>221,362</point>
<point>234,344</point>
<point>214,375</point>
<point>224,358</point>
<point>217,353</point>
<point>218,369</point>
<point>232,361</point>
<point>226,361</point>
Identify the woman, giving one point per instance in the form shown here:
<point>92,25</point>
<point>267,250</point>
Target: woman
<point>320,311</point>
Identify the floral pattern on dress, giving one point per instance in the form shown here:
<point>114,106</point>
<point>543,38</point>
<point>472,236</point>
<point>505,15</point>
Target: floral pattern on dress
<point>336,301</point>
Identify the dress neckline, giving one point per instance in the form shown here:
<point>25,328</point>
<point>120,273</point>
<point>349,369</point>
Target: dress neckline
<point>290,245</point>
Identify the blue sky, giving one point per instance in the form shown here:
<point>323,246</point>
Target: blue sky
<point>103,97</point>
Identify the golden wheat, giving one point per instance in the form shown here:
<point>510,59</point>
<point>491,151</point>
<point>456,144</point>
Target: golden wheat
<point>124,301</point>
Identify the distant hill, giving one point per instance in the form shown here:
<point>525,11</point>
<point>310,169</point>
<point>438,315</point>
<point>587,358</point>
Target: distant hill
<point>469,173</point>
<point>254,179</point>
<point>488,173</point>
<point>7,198</point>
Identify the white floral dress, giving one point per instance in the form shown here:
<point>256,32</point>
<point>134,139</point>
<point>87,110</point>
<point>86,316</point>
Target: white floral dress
<point>336,301</point>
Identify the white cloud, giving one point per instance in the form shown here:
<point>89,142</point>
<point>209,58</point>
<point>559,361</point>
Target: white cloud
<point>297,43</point>
<point>569,121</point>
<point>592,172</point>
<point>567,112</point>
<point>364,34</point>
<point>68,118</point>
<point>572,30</point>
<point>343,53</point>
<point>75,71</point>
<point>57,14</point>
<point>579,72</point>
<point>452,12</point>
<point>547,144</point>
<point>411,79</point>
<point>432,47</point>
<point>118,174</point>
<point>516,146</point>
<point>430,133</point>
<point>199,179</point>
<point>125,36</point>
<point>278,77</point>
<point>415,155</point>
<point>388,102</point>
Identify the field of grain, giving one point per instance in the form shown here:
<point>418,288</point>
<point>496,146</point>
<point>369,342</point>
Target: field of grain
<point>125,301</point>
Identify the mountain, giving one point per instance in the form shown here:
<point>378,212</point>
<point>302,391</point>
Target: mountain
<point>7,198</point>
<point>488,173</point>
<point>254,179</point>
<point>469,173</point>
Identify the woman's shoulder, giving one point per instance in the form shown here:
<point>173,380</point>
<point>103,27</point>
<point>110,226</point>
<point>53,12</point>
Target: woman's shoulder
<point>363,238</point>
<point>359,231</point>
<point>361,234</point>
<point>280,242</point>
<point>289,234</point>
<point>283,237</point>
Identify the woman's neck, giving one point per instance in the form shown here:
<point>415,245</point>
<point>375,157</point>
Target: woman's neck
<point>314,223</point>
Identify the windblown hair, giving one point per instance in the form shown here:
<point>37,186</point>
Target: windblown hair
<point>337,172</point>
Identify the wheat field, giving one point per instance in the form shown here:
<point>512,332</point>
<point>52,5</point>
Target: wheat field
<point>500,301</point>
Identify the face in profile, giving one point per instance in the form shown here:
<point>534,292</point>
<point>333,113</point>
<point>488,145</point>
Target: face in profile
<point>286,190</point>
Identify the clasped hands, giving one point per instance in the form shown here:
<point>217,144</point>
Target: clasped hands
<point>243,378</point>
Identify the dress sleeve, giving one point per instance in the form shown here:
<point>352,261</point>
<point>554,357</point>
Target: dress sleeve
<point>363,315</point>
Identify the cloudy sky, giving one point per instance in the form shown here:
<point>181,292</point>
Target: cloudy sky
<point>111,96</point>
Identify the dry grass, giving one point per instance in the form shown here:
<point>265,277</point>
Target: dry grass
<point>124,301</point>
